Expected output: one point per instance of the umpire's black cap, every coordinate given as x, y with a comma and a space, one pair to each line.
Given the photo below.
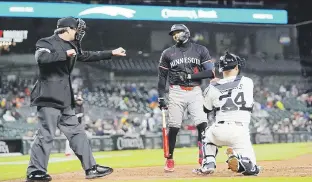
67, 22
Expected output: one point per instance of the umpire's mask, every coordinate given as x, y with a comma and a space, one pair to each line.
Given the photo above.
81, 27
78, 24
180, 33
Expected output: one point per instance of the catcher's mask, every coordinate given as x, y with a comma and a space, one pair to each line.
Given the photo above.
229, 61
74, 23
183, 32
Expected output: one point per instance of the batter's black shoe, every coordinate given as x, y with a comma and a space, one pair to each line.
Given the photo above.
98, 171
38, 176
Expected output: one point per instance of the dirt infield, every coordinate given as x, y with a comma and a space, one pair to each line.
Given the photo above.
300, 166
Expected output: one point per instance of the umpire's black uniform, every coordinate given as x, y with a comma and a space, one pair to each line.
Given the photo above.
54, 98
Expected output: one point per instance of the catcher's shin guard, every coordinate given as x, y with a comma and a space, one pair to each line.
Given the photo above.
208, 165
240, 164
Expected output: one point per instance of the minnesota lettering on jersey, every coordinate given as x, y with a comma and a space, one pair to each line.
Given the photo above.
184, 60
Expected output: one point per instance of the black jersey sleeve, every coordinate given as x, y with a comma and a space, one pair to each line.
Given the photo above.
164, 62
163, 69
204, 55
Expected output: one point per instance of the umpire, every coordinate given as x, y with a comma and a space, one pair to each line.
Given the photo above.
53, 95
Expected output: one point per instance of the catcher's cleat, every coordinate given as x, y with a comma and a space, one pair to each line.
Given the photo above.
205, 169
38, 176
169, 166
239, 164
253, 172
233, 161
98, 171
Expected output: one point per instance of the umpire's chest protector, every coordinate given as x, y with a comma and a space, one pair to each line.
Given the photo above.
53, 87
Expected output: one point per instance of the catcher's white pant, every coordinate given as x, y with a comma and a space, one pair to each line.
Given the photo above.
232, 134
68, 150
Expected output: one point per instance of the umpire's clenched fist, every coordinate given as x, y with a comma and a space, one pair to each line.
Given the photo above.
119, 52
71, 53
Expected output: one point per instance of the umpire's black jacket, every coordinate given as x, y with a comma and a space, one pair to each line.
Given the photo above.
53, 87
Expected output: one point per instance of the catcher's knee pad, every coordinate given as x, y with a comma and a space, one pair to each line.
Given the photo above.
247, 168
210, 152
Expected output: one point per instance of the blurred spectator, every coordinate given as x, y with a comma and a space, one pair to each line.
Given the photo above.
309, 101
1, 124
279, 105
99, 131
294, 91
109, 129
8, 116
32, 118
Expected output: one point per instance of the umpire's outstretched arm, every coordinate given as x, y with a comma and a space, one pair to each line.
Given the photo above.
91, 56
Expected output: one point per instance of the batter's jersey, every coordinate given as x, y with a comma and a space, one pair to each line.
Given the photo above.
188, 57
231, 98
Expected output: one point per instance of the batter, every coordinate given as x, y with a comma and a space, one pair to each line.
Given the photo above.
187, 64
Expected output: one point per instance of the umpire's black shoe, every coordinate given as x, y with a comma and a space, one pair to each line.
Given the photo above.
98, 171
38, 176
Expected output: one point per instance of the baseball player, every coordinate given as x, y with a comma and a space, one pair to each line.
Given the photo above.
231, 98
187, 64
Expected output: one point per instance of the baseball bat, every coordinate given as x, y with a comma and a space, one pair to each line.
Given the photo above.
164, 134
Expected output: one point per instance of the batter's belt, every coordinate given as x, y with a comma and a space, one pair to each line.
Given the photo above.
184, 87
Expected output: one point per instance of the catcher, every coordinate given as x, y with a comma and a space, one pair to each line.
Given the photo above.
231, 98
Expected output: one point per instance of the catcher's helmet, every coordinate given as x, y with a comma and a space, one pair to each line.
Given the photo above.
229, 61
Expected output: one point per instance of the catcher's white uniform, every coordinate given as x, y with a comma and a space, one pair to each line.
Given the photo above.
231, 99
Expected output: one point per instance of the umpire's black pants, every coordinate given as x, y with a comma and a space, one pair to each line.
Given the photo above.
67, 122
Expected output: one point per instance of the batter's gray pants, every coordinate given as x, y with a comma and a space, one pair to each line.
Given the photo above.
67, 122
180, 100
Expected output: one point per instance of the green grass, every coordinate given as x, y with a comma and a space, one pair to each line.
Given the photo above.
141, 158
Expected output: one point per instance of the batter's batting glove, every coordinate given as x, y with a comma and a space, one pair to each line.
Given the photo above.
162, 104
184, 76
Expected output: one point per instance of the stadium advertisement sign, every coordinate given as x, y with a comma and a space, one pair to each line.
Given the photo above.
151, 13
129, 142
123, 142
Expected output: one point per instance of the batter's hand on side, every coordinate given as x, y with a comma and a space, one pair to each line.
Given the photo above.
71, 52
162, 104
214, 80
119, 52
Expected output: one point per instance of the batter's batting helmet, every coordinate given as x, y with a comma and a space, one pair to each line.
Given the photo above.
180, 27
229, 61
